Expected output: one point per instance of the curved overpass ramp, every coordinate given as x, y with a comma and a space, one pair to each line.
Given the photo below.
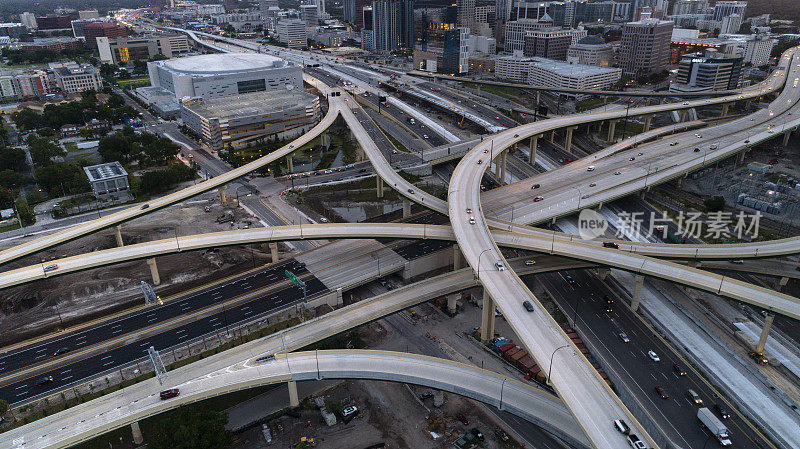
80, 423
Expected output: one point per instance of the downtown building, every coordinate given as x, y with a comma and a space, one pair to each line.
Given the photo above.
122, 50
444, 48
645, 47
292, 32
393, 26
707, 72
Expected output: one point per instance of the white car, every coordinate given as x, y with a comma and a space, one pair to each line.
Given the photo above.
653, 356
590, 168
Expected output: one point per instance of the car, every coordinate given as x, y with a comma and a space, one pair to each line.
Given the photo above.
622, 427
592, 184
144, 207
171, 393
62, 350
463, 419
697, 150
569, 279
530, 262
51, 267
759, 357
686, 103
738, 261
350, 410
697, 135
610, 245
480, 161
636, 443
500, 266
584, 197
590, 168
713, 147
477, 434
641, 154
425, 395
471, 220
485, 151
624, 337
771, 131
617, 173
723, 412
469, 210
747, 141
43, 380
535, 186
661, 392
694, 397
394, 151
516, 135
411, 191
673, 144
424, 136
537, 199
653, 356
323, 220
631, 158
528, 306
500, 434
608, 308
679, 369
561, 161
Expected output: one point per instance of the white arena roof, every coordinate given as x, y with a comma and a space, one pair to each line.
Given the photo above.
223, 63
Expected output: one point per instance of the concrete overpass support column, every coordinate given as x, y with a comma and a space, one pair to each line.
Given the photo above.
154, 270
786, 136
568, 139
637, 292
380, 186
273, 251
118, 229
502, 169
602, 273
406, 208
682, 116
680, 182
456, 258
451, 303
725, 108
648, 119
534, 145
538, 97
553, 136
294, 400
765, 332
487, 317
222, 197
781, 283
290, 163
600, 205
740, 157
137, 433
612, 126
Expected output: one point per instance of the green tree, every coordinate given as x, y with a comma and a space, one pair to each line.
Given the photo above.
62, 178
191, 427
43, 150
25, 213
3, 407
12, 158
27, 119
10, 179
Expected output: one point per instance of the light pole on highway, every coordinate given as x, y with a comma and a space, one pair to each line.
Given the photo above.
377, 258
478, 276
550, 366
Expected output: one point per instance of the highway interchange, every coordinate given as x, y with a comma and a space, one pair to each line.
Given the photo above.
475, 240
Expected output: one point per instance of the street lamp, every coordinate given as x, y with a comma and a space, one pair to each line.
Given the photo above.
550, 366
479, 262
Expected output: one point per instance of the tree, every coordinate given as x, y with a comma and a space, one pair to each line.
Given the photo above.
12, 158
191, 427
25, 214
10, 179
27, 119
3, 407
62, 179
43, 150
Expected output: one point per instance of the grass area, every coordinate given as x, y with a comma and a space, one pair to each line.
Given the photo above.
133, 82
504, 91
395, 142
9, 227
589, 103
70, 146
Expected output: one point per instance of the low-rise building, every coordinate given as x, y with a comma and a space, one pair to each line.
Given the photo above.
708, 71
591, 50
239, 120
292, 32
122, 50
75, 78
107, 179
557, 74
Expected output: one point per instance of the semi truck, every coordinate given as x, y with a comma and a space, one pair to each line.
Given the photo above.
713, 424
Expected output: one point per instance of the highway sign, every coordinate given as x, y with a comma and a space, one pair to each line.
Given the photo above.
295, 280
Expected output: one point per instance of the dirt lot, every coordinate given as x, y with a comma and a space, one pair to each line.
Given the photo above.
33, 308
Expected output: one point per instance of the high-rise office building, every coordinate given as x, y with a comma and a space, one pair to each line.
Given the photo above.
367, 30
292, 32
444, 49
645, 47
353, 11
393, 25
725, 8
730, 24
551, 43
102, 29
466, 13
309, 14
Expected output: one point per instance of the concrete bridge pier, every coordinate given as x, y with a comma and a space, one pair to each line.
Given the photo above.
118, 233
294, 399
568, 139
725, 108
612, 126
533, 146
762, 340
600, 206
740, 157
137, 433
457, 261
602, 273
781, 283
406, 208
222, 197
538, 97
273, 250
380, 186
487, 317
290, 163
648, 119
786, 136
154, 271
637, 292
502, 168
451, 302
553, 136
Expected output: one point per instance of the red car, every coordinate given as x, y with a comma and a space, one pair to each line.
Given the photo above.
166, 394
661, 392
679, 369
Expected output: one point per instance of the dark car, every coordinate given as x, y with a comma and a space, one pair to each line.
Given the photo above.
528, 306
463, 419
44, 380
145, 207
723, 412
610, 245
537, 199
171, 393
661, 392
569, 279
697, 150
632, 159
426, 395
608, 308
536, 186
60, 351
679, 369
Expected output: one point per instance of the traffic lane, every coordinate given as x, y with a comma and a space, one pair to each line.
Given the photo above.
677, 413
382, 142
493, 116
45, 351
219, 322
417, 128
